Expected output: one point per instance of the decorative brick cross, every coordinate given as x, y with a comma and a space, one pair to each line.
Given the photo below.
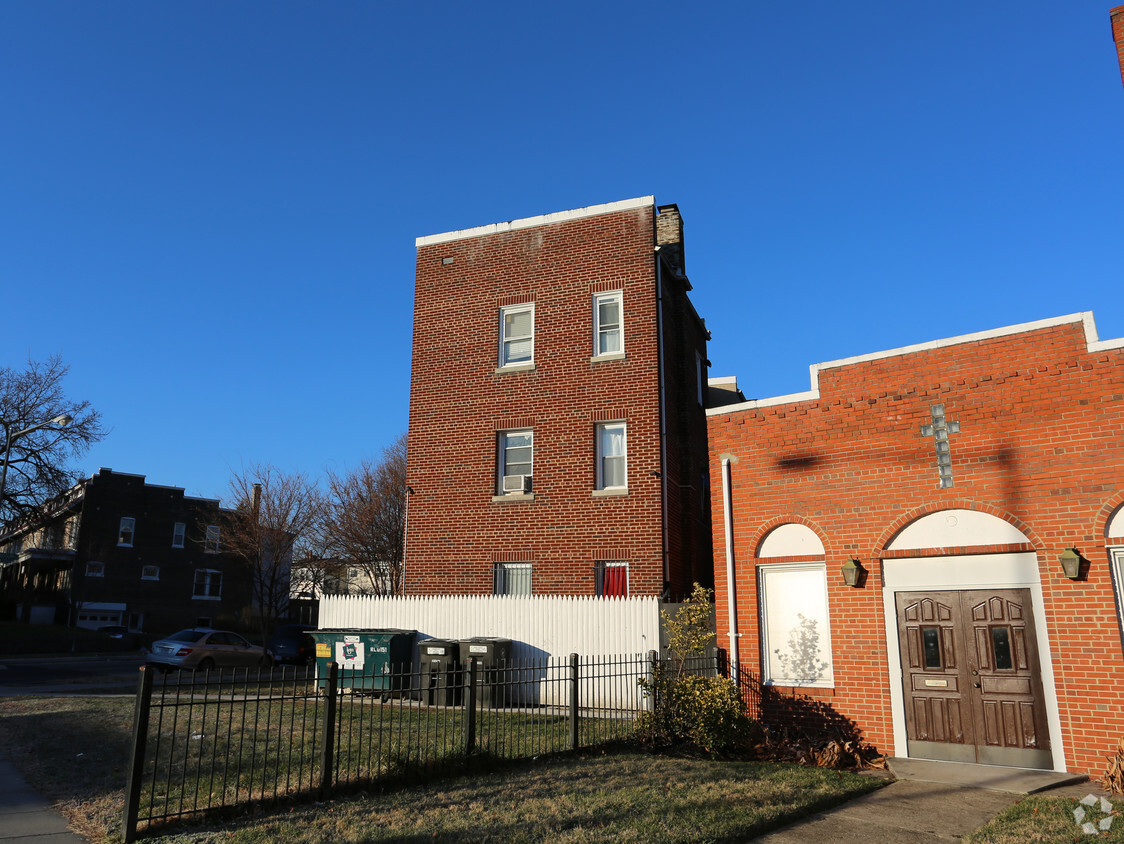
939, 431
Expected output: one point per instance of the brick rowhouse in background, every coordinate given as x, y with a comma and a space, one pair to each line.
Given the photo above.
955, 475
557, 437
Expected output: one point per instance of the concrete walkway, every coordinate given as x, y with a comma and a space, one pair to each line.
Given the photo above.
26, 816
930, 802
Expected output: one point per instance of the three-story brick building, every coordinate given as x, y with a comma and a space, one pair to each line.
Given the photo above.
557, 439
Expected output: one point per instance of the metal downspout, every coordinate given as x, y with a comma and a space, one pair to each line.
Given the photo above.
731, 595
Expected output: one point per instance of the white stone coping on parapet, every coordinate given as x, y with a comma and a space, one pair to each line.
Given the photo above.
1093, 344
541, 220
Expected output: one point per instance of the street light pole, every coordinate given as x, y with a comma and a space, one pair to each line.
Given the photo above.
63, 419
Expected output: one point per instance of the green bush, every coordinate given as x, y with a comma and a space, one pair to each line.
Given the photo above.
707, 712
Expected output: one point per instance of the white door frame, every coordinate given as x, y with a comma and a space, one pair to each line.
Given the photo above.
956, 573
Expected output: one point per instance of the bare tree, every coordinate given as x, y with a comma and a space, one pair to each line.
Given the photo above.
273, 512
40, 428
365, 519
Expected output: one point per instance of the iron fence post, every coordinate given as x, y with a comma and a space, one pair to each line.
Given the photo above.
136, 763
470, 709
328, 748
574, 701
653, 675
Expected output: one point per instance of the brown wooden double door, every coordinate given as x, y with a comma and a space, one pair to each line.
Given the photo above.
971, 678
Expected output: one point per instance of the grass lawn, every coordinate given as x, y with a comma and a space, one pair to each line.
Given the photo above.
75, 751
1050, 819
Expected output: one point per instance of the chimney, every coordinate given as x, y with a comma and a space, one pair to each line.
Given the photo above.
1117, 17
669, 237
255, 504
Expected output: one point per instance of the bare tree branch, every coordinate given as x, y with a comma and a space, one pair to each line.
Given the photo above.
37, 459
365, 519
272, 512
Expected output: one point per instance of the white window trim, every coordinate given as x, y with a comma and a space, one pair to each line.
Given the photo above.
99, 570
179, 532
505, 364
764, 573
212, 539
501, 463
194, 580
497, 568
598, 298
132, 531
1116, 558
155, 576
601, 486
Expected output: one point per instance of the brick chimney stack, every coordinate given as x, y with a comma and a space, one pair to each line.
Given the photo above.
1117, 16
669, 237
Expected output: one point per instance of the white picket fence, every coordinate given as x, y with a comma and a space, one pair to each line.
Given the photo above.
542, 628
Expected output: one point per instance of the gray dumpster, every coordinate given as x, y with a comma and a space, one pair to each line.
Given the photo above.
493, 660
440, 671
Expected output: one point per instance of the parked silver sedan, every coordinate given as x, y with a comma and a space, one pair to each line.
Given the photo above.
203, 649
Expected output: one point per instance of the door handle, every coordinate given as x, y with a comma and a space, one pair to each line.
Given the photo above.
977, 685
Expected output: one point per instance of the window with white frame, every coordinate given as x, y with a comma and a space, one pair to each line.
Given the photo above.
795, 634
517, 335
179, 531
1117, 555
126, 532
211, 541
608, 333
515, 461
512, 579
208, 585
612, 455
94, 569
612, 579
150, 572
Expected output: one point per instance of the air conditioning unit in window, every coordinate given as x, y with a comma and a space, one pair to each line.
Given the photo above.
516, 483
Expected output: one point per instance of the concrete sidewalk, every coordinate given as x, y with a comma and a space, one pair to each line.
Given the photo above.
26, 816
930, 802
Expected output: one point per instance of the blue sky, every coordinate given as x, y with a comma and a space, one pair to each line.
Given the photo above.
209, 208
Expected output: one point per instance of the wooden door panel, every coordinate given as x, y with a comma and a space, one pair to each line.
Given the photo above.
971, 676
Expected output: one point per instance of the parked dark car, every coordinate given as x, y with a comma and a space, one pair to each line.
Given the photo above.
291, 643
203, 648
114, 631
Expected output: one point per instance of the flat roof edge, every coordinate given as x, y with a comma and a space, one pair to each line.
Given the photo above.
1092, 345
540, 220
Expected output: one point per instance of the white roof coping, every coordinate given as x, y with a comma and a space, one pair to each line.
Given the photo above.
541, 220
1092, 343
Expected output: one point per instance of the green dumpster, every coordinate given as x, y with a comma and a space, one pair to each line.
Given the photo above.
368, 659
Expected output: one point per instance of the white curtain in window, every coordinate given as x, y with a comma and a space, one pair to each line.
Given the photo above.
797, 635
613, 456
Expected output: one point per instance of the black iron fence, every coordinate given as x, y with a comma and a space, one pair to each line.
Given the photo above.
223, 740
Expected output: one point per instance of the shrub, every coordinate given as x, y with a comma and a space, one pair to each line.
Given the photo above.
707, 712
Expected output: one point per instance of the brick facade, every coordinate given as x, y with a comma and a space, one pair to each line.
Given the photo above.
460, 522
141, 581
1117, 18
1040, 447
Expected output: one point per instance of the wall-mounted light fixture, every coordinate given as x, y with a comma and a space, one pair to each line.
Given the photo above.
853, 572
1071, 563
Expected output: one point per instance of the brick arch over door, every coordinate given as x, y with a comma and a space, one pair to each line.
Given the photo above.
762, 534
1110, 520
889, 536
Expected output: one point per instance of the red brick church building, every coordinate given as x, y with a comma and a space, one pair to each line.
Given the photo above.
929, 544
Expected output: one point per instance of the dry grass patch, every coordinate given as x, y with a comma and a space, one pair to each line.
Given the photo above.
1049, 820
75, 750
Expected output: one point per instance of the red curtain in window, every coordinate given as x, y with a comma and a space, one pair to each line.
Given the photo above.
615, 582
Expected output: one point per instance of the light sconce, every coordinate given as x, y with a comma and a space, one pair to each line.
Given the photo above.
853, 572
1071, 563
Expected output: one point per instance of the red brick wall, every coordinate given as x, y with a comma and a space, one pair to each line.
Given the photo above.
458, 402
1041, 445
1117, 16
